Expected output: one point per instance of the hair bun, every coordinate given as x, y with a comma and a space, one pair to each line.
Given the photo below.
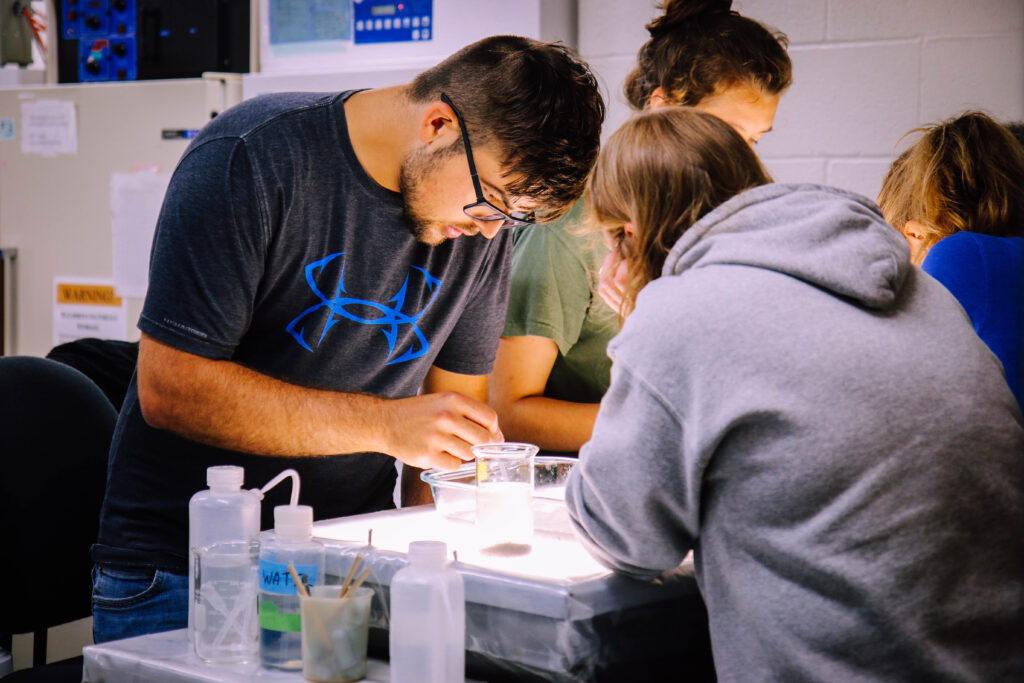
678, 12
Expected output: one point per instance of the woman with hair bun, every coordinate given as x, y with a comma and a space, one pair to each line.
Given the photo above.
552, 366
703, 54
957, 195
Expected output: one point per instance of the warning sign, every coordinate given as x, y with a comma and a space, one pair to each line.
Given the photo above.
90, 295
86, 308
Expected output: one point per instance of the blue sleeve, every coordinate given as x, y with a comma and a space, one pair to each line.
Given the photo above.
208, 253
957, 262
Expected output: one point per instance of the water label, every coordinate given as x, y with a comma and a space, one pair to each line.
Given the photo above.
275, 577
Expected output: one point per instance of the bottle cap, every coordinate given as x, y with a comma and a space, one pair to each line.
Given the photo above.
428, 553
225, 477
293, 522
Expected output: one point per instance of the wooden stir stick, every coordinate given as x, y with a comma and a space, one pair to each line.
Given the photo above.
351, 572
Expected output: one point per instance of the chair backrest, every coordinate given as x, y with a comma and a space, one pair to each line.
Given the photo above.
55, 431
110, 363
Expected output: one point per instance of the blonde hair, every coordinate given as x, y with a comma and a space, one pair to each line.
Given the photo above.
662, 171
966, 173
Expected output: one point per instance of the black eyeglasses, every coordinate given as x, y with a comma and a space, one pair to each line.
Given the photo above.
481, 209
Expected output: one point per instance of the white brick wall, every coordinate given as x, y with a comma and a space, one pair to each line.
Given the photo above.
865, 72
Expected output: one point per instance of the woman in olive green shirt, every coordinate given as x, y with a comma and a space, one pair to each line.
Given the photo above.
552, 368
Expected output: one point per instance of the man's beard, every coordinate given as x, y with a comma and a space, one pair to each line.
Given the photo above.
416, 166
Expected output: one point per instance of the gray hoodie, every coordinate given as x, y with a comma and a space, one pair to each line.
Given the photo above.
816, 419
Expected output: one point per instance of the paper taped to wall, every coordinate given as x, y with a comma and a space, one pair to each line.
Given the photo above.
135, 200
48, 127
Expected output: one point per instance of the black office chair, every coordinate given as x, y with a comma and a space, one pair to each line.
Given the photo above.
55, 430
109, 363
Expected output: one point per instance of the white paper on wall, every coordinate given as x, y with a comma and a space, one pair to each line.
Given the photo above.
48, 127
135, 200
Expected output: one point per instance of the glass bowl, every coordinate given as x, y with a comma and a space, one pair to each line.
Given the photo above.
454, 491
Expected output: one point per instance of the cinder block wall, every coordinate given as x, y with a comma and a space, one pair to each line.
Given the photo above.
865, 72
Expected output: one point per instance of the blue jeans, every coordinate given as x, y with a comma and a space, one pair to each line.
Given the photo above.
130, 602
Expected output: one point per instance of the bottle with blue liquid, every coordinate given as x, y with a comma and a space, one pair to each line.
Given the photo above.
280, 619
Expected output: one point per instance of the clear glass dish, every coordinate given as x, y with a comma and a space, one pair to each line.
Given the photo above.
454, 491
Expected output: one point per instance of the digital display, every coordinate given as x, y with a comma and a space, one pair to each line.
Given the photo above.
387, 21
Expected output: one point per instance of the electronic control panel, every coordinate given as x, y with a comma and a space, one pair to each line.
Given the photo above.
127, 40
105, 33
376, 21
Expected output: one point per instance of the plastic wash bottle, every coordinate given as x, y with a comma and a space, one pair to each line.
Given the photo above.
224, 513
291, 543
428, 618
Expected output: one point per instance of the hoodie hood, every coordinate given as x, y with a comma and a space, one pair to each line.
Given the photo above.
830, 238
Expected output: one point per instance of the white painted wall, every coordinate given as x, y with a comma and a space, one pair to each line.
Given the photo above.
864, 73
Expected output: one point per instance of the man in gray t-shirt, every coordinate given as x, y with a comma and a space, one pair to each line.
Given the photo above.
328, 282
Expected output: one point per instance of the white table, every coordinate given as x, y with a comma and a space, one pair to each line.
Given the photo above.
167, 658
552, 613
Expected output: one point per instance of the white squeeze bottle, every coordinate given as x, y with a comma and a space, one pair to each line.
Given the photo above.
220, 514
280, 617
428, 618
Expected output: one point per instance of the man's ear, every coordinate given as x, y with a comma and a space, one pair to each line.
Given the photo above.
438, 123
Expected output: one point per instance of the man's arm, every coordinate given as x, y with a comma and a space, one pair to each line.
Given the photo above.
224, 404
516, 391
414, 490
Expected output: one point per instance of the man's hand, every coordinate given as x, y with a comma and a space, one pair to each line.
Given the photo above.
437, 429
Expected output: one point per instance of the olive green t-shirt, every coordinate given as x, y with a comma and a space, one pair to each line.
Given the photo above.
554, 295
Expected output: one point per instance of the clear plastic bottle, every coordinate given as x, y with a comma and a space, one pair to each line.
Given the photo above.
428, 618
291, 543
223, 514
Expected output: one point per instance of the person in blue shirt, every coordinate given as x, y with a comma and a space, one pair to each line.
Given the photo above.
957, 195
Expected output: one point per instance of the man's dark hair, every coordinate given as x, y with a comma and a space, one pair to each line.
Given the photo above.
536, 102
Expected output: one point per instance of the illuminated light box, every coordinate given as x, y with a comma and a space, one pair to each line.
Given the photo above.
547, 613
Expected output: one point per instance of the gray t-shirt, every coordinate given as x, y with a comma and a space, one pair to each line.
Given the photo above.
274, 249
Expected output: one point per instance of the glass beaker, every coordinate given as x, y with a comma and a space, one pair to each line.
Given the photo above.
226, 628
504, 490
335, 634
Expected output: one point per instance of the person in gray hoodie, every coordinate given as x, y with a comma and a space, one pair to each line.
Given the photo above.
806, 411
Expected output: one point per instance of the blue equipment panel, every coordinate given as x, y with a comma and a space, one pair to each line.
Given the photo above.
107, 44
380, 21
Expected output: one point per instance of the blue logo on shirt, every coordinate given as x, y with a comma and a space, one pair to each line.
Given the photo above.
389, 317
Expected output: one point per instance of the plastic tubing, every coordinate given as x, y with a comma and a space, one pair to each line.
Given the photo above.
277, 480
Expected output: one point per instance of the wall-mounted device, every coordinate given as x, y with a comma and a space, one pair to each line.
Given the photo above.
104, 31
126, 40
313, 44
377, 21
15, 33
